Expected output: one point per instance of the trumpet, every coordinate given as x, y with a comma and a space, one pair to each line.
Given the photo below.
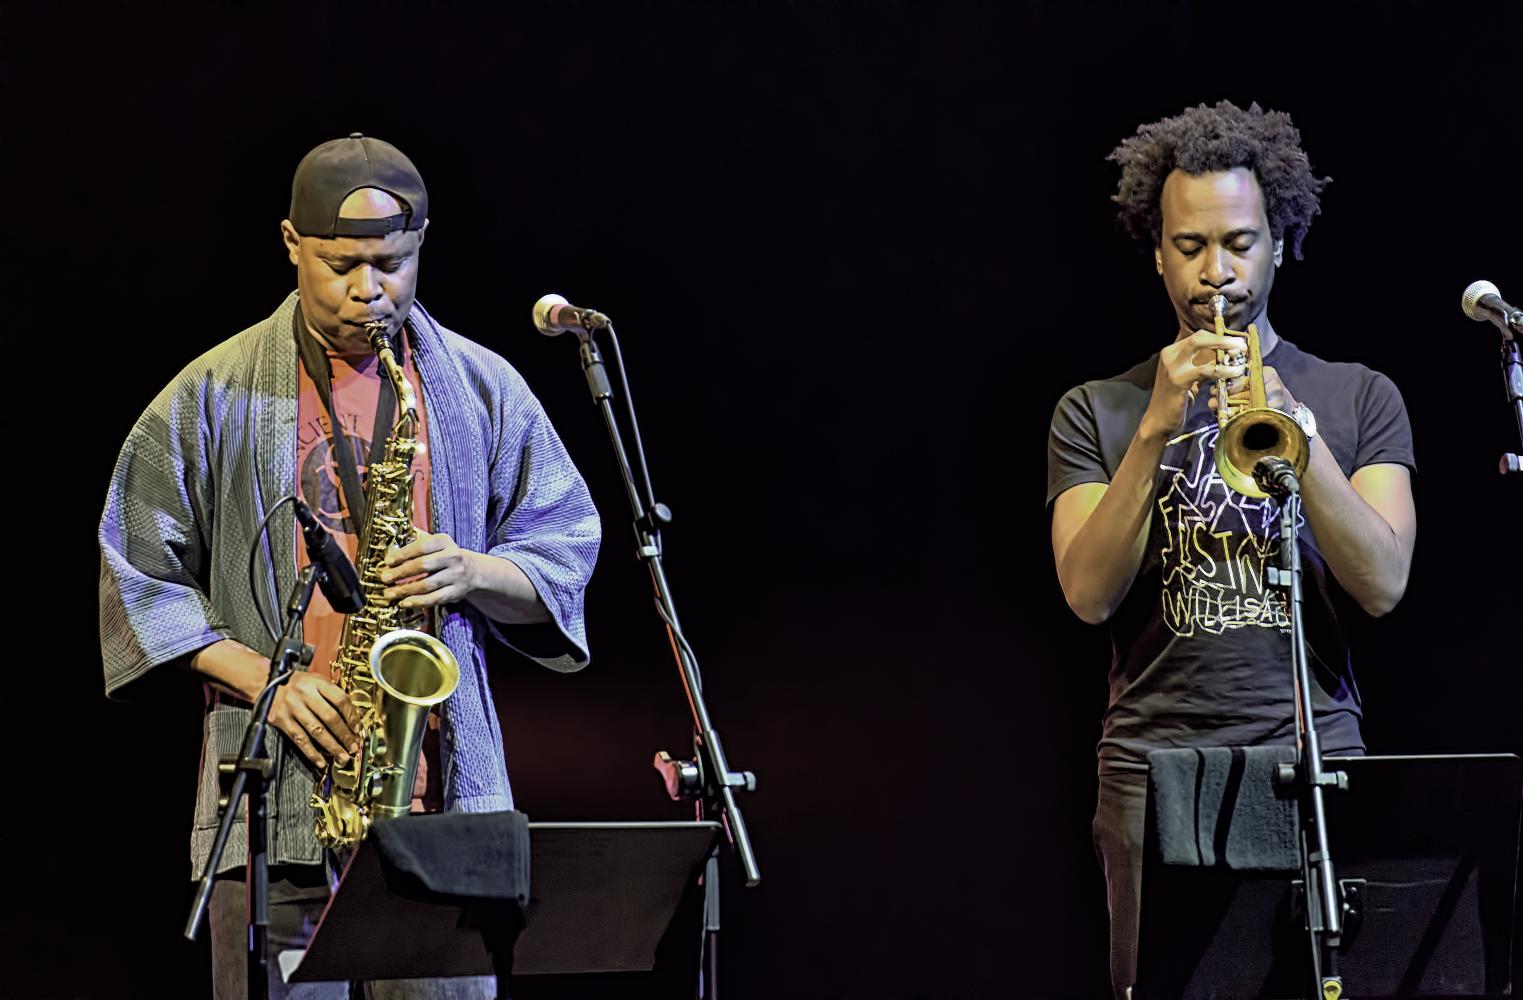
1251, 430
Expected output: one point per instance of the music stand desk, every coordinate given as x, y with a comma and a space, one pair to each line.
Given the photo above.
601, 897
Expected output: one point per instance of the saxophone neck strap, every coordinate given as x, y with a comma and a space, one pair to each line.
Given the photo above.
315, 360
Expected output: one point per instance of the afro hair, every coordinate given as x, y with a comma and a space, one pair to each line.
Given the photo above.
1205, 139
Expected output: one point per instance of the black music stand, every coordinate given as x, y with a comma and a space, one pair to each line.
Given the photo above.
599, 897
1428, 854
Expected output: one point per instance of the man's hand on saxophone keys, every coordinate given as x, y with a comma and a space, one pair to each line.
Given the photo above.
433, 571
317, 718
430, 571
314, 715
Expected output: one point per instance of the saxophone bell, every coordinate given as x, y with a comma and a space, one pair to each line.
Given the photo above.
414, 672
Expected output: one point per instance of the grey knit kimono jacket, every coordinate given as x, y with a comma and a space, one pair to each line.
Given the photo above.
217, 448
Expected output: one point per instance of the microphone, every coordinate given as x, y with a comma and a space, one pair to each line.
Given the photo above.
1276, 476
1482, 302
341, 586
553, 315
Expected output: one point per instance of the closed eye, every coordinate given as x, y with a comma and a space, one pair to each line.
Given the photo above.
388, 264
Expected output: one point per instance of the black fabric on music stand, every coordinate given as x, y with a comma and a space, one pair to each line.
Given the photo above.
1219, 806
1431, 846
457, 855
424, 896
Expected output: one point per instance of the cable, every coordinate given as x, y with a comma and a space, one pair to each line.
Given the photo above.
634, 426
264, 526
278, 678
692, 657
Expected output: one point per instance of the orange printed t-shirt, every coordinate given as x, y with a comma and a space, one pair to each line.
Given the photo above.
356, 390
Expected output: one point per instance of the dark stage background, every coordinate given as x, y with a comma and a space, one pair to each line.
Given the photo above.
856, 252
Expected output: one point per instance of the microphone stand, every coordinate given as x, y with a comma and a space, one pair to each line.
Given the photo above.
1325, 905
706, 779
251, 772
1512, 381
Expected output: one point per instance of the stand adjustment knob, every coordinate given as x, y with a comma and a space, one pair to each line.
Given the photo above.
1336, 780
683, 778
656, 518
226, 768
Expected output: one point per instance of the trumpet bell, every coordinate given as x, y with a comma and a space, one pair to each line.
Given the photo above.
1255, 433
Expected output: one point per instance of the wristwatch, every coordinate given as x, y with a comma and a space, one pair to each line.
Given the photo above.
1302, 415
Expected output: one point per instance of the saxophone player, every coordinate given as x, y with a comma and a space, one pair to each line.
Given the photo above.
297, 404
1146, 536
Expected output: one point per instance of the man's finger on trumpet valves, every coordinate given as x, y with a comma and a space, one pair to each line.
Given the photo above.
1276, 395
1182, 367
1206, 348
1206, 344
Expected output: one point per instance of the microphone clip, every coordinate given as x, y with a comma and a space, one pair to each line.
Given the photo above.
655, 519
1276, 476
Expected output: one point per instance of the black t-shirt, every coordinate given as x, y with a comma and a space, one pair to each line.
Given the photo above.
1201, 646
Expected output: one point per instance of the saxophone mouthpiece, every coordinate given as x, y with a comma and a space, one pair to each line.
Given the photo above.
376, 332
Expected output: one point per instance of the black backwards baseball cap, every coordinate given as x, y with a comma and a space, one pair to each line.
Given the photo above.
337, 169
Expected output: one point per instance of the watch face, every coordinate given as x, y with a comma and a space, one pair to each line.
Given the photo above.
1304, 417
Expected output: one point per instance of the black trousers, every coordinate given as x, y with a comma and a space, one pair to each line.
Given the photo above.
1120, 814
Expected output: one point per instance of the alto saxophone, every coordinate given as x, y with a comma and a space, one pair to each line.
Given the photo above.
391, 670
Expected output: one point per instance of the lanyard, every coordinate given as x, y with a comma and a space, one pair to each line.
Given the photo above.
315, 360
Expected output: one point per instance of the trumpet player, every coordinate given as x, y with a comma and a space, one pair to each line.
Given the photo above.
1146, 535
298, 403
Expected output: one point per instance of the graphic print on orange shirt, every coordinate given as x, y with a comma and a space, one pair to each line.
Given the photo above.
355, 393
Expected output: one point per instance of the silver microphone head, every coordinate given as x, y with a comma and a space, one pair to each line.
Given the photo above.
542, 313
1473, 295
